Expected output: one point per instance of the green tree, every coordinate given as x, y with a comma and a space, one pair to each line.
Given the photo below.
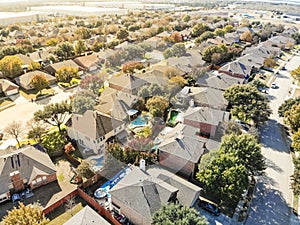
24, 215
199, 29
52, 42
208, 52
122, 34
80, 47
84, 170
228, 28
247, 150
92, 83
219, 32
233, 127
157, 106
203, 37
36, 130
296, 73
15, 130
39, 82
176, 214
82, 103
258, 84
179, 49
248, 104
55, 142
270, 62
54, 114
287, 105
186, 18
83, 33
151, 90
295, 178
34, 66
66, 73
11, 66
296, 141
224, 180
292, 117
64, 50
296, 37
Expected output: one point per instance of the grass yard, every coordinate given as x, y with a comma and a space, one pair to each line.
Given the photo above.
60, 220
26, 142
32, 94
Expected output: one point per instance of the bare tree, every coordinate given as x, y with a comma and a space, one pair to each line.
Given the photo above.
15, 129
70, 203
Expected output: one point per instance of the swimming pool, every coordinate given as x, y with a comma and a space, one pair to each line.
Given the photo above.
140, 121
98, 160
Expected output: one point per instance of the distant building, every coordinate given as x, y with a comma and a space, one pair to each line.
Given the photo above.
7, 18
79, 10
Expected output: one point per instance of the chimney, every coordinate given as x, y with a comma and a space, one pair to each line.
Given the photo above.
17, 181
143, 164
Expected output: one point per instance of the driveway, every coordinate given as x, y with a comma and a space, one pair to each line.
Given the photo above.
273, 197
23, 110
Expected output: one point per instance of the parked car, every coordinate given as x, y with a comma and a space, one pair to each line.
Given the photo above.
16, 198
209, 206
274, 85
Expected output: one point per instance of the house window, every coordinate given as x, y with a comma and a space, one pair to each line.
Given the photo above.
33, 182
44, 178
38, 180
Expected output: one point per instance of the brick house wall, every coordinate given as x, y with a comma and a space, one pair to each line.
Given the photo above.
49, 178
120, 88
203, 127
239, 75
132, 215
176, 164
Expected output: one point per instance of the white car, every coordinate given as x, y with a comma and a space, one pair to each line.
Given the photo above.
274, 85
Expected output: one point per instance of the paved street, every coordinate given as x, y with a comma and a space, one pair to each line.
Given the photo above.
273, 197
23, 110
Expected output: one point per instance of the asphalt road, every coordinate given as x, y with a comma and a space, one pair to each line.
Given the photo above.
23, 110
273, 197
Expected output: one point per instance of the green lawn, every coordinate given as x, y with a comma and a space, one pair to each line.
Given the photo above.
60, 220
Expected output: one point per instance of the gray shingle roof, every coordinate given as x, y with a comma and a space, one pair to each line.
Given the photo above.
32, 162
219, 80
87, 216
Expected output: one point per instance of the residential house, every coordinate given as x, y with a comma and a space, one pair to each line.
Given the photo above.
202, 96
22, 168
92, 129
89, 63
290, 31
41, 56
181, 154
105, 55
209, 121
187, 63
237, 69
86, 216
145, 190
25, 80
281, 42
220, 81
26, 61
8, 87
127, 83
52, 68
17, 34
256, 61
231, 38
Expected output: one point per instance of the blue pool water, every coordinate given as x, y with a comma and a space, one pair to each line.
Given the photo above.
140, 121
113, 181
98, 160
